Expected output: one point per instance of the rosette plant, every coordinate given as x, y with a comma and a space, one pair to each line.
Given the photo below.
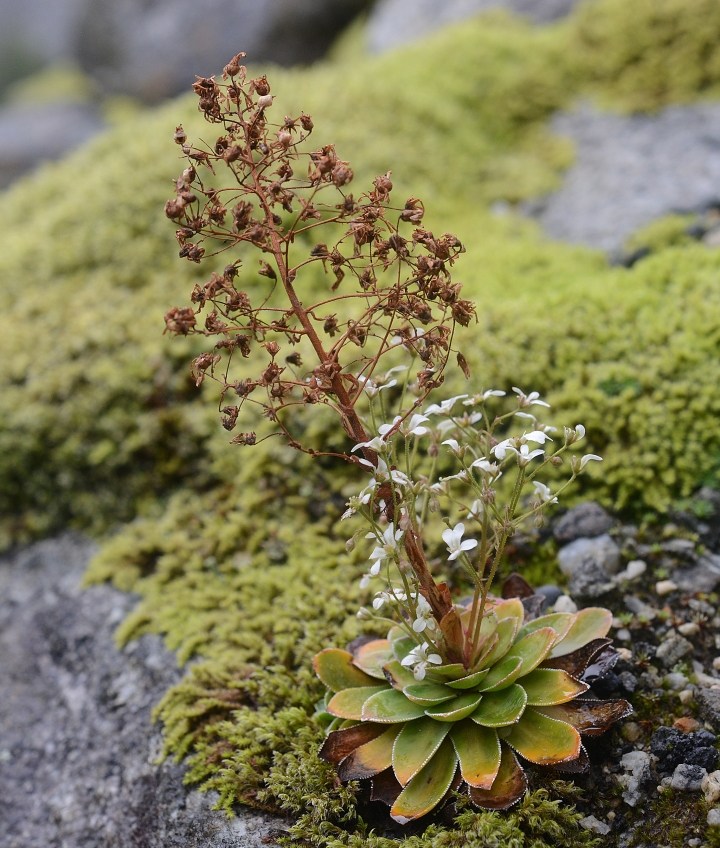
364, 323
419, 739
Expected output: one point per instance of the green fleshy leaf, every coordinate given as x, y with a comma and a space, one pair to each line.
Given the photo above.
369, 759
428, 693
460, 707
507, 789
442, 673
502, 674
501, 708
559, 621
543, 740
590, 623
397, 675
349, 702
533, 648
510, 608
468, 682
372, 656
506, 632
390, 707
546, 687
427, 789
402, 646
336, 670
478, 749
415, 745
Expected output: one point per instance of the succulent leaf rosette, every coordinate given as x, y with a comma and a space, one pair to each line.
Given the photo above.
418, 739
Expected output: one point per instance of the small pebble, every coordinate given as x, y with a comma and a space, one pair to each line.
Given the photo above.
693, 843
686, 696
713, 817
664, 587
686, 724
625, 653
688, 777
711, 787
565, 604
690, 628
631, 731
624, 635
716, 663
676, 681
635, 569
617, 623
591, 823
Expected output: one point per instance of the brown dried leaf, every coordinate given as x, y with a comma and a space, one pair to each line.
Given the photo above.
339, 744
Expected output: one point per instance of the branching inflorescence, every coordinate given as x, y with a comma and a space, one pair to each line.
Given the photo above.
371, 348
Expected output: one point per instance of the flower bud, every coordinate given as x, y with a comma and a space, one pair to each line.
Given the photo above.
265, 100
557, 461
350, 545
364, 614
180, 135
434, 505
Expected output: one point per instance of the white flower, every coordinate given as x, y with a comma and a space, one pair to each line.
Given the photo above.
376, 444
537, 436
543, 492
528, 400
387, 547
457, 449
372, 389
584, 461
528, 415
382, 474
413, 427
365, 581
501, 448
524, 455
461, 475
574, 435
443, 426
484, 396
491, 468
444, 407
453, 540
425, 618
420, 657
477, 510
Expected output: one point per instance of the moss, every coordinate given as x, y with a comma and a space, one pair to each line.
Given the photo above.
668, 231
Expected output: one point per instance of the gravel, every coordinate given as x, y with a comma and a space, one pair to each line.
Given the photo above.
77, 747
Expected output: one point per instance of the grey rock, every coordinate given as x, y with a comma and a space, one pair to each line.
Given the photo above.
637, 767
77, 747
703, 577
631, 170
594, 824
688, 778
587, 520
590, 564
713, 816
676, 681
672, 649
601, 551
41, 132
639, 608
551, 593
708, 701
153, 50
395, 22
673, 747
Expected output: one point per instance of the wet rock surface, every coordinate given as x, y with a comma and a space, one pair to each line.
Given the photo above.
77, 747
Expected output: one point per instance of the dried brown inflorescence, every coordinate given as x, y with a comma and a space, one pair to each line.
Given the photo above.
389, 278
